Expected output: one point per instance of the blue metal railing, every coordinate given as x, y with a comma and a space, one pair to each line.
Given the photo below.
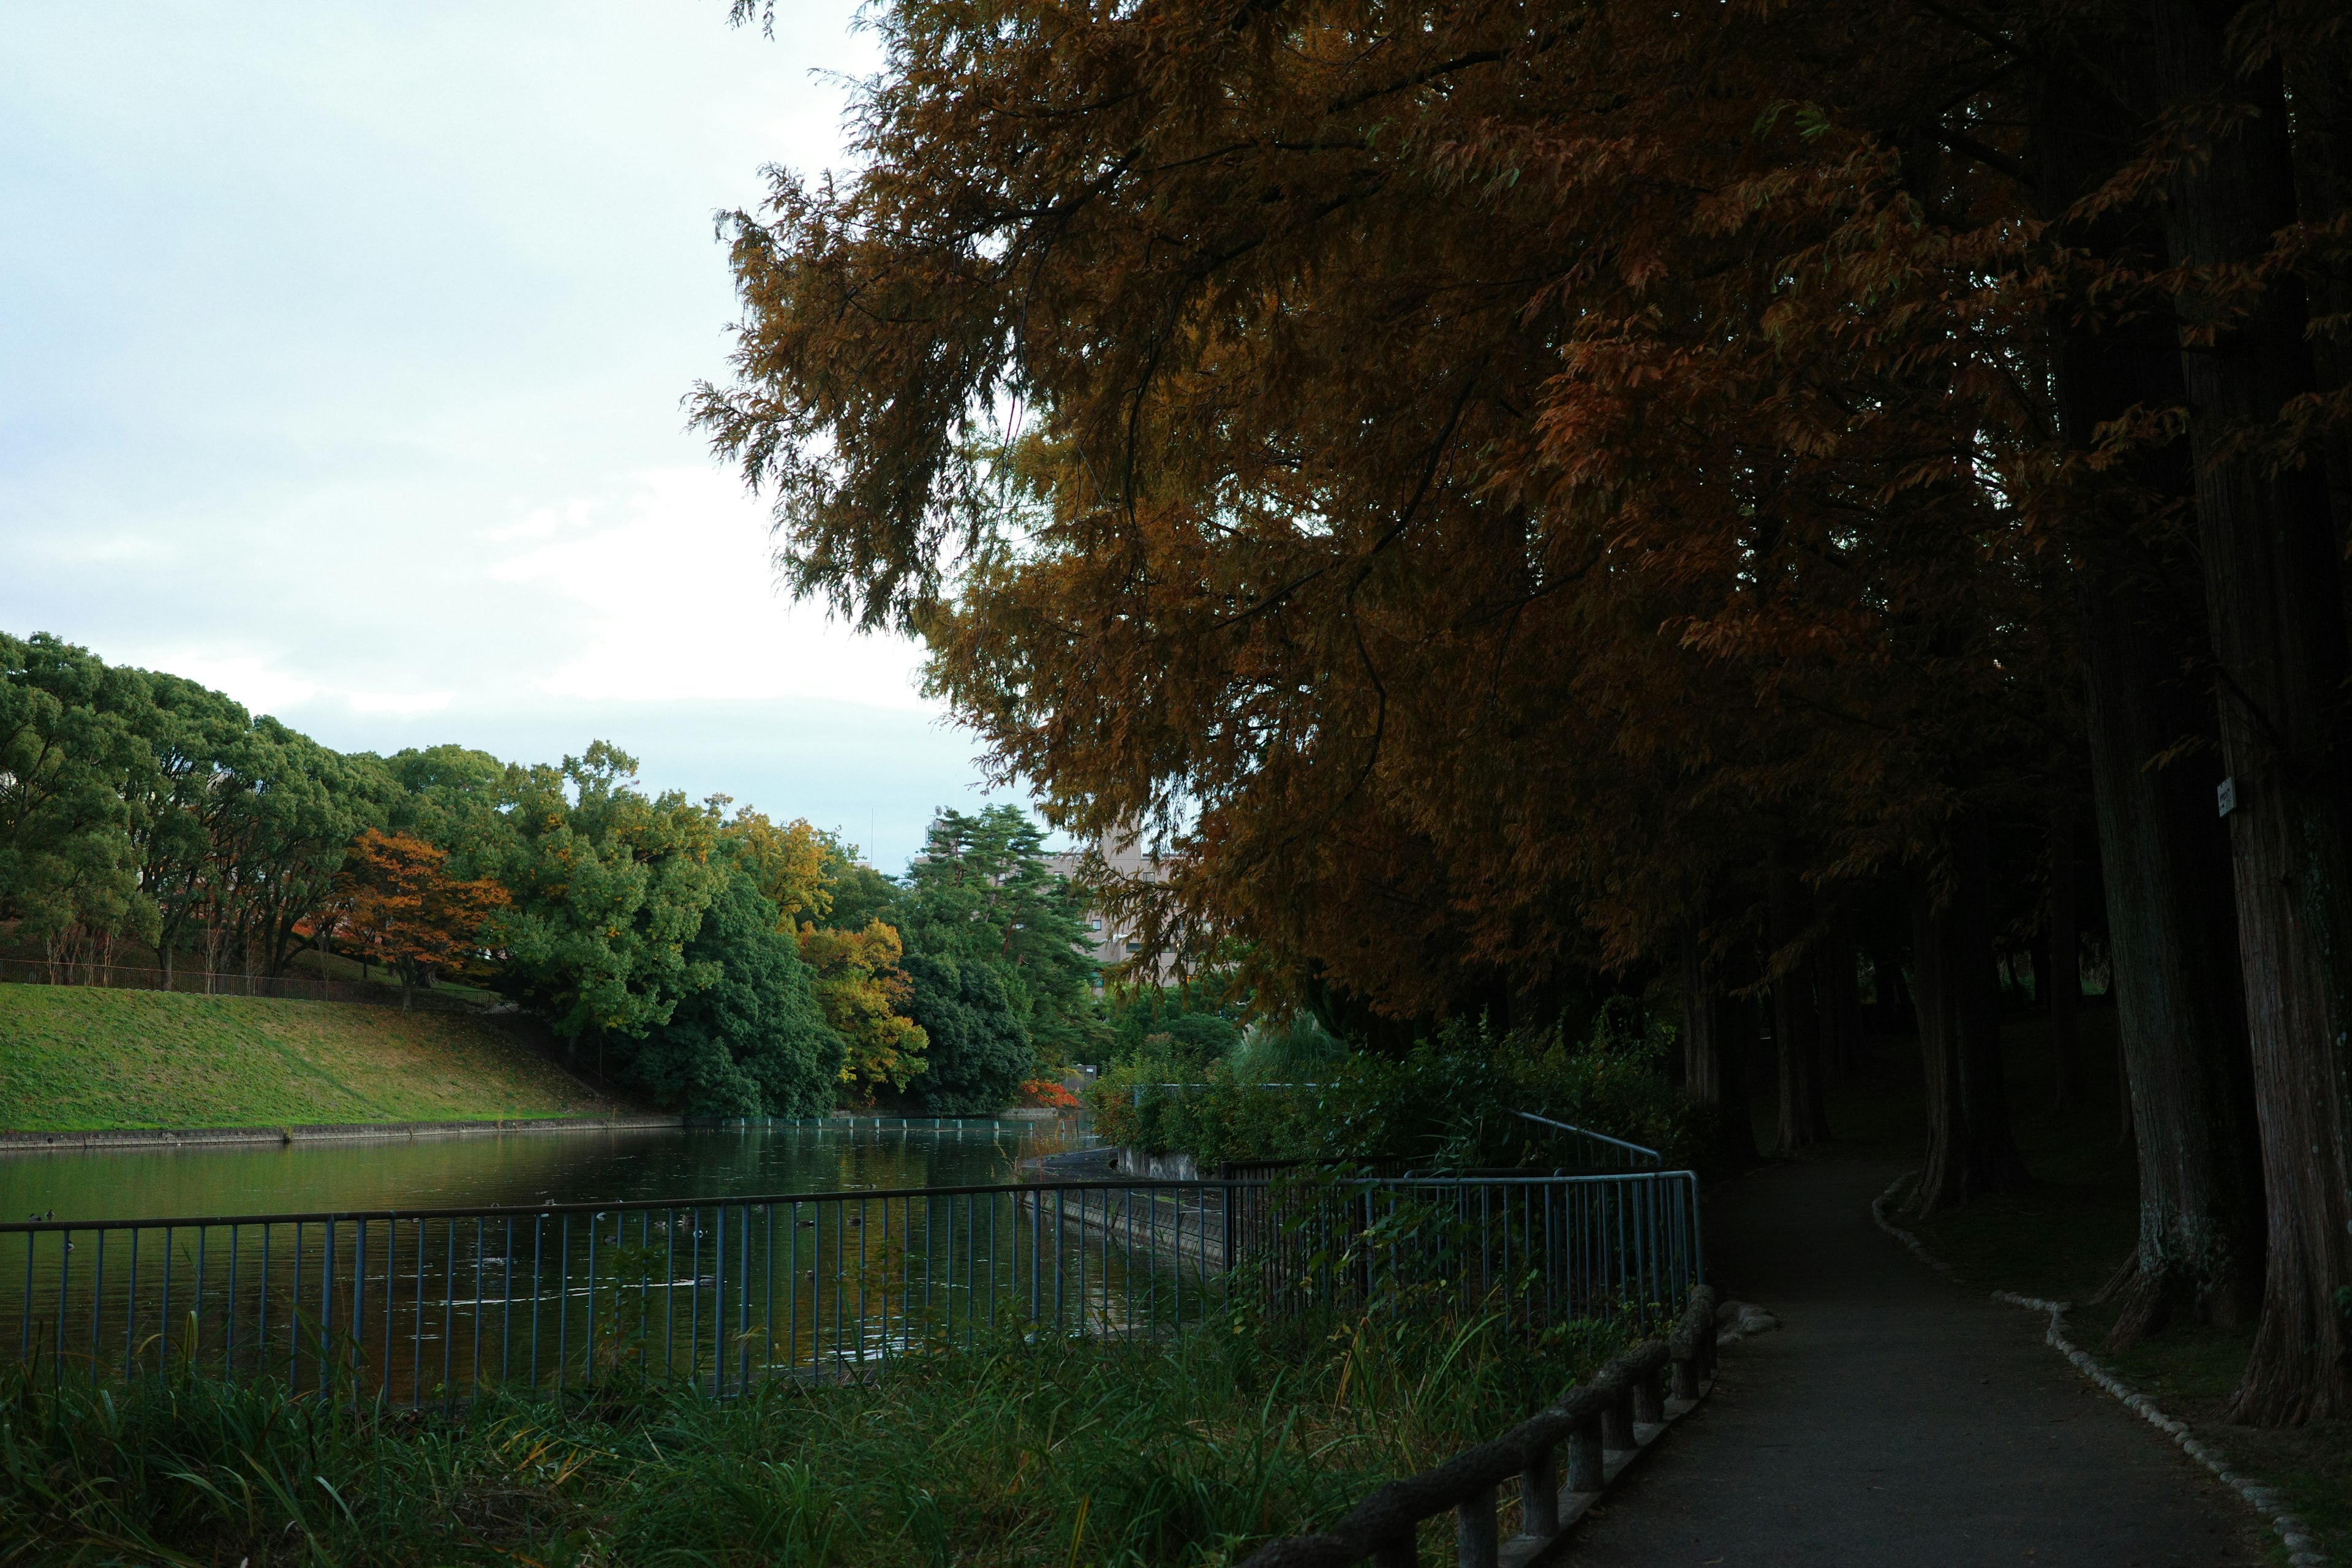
428, 1307
1598, 1151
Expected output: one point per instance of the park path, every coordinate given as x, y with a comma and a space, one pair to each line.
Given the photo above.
1895, 1419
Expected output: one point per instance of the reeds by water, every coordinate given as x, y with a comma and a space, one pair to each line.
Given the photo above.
1055, 1453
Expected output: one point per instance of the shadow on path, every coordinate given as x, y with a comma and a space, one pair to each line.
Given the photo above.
1895, 1419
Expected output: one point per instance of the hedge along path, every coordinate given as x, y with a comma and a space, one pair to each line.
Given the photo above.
1892, 1419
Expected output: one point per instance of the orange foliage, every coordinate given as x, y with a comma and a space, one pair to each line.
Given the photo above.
394, 904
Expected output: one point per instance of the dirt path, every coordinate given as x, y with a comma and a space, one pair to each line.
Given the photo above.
1895, 1419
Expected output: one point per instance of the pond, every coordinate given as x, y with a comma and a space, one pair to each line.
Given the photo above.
599, 1252
524, 1170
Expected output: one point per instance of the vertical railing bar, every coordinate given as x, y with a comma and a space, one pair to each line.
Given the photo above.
474, 1373
588, 1330
96, 1296
718, 1301
538, 1239
563, 1300
65, 1268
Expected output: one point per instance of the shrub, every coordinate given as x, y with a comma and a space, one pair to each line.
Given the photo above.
1450, 1103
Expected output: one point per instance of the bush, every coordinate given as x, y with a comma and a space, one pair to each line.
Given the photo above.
1009, 1454
1450, 1103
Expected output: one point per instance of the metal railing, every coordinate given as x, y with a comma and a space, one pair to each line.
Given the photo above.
1598, 1151
430, 1307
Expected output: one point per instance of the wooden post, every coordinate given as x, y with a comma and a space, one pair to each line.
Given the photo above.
1473, 1530
1617, 1421
1647, 1406
1402, 1550
1584, 1472
1687, 1374
1540, 1497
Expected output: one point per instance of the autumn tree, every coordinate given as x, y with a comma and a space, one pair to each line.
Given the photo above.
394, 902
865, 994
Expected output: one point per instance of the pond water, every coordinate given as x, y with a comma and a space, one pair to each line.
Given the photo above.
656, 1249
521, 1169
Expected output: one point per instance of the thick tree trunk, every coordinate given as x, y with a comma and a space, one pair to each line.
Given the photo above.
2183, 1088
1714, 1055
1995, 1165
1943, 1180
1796, 1028
1841, 1028
2187, 1092
1971, 1150
2061, 977
2274, 598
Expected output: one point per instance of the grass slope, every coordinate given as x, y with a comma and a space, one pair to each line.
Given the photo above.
75, 1057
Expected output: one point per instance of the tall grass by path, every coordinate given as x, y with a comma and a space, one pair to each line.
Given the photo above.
1053, 1453
77, 1057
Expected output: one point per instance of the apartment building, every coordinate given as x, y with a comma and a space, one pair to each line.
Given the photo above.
1112, 942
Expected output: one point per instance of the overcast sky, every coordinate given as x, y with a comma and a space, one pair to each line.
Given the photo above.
340, 368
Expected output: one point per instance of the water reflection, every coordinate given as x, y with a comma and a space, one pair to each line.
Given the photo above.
521, 1169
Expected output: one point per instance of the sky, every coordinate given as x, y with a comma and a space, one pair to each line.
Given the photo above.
340, 364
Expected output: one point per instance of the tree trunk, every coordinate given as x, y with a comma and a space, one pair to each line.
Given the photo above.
1841, 992
1715, 1048
2183, 1085
2061, 977
1943, 1180
1974, 977
1796, 1026
2274, 599
1970, 1152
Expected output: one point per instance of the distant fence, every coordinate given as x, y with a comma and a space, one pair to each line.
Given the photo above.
431, 1306
210, 983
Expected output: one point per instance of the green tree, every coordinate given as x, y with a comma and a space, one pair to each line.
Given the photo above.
752, 1041
980, 1050
609, 887
71, 762
981, 893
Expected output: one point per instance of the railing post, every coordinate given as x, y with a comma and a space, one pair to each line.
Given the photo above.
1617, 1421
1584, 1464
1402, 1550
1473, 1530
1648, 1407
1540, 1497
1686, 1374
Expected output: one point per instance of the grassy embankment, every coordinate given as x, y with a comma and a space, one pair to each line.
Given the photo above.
1051, 1455
2063, 1238
76, 1058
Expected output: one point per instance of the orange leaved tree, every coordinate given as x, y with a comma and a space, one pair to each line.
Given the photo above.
396, 903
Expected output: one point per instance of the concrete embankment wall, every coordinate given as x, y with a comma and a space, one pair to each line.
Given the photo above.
363, 1132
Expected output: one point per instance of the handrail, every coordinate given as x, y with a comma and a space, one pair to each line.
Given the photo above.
755, 1200
1643, 1150
1591, 1419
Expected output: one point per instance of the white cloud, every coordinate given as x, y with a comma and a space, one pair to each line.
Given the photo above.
673, 597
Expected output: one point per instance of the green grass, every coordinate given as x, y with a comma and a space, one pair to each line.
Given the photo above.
76, 1058
2065, 1236
1053, 1454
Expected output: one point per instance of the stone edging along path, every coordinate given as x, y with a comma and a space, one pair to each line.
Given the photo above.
357, 1132
2303, 1551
